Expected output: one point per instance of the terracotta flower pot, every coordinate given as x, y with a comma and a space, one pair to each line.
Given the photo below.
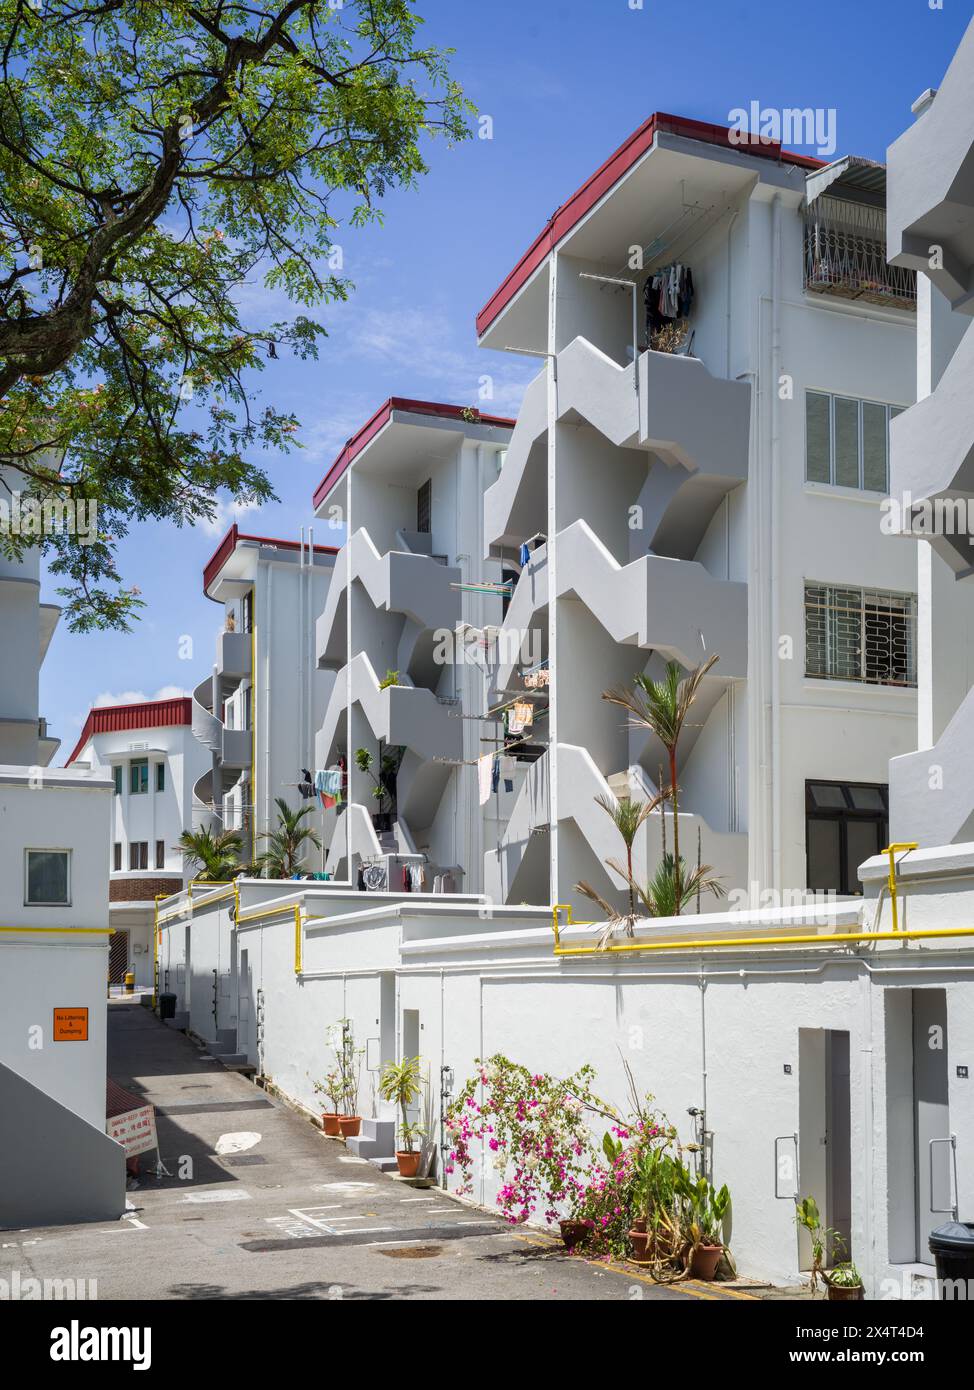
704, 1261
329, 1122
639, 1225
408, 1163
349, 1125
639, 1240
575, 1233
839, 1293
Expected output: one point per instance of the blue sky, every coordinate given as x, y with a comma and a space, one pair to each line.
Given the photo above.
564, 81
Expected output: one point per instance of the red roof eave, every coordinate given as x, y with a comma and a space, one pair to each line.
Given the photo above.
151, 714
229, 543
378, 422
605, 177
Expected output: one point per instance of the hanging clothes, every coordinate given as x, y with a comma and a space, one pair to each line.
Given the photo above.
485, 774
438, 884
419, 878
495, 772
520, 717
668, 295
507, 771
407, 882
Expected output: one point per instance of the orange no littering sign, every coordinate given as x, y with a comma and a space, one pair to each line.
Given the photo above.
70, 1025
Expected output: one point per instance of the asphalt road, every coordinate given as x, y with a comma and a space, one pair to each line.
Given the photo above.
290, 1215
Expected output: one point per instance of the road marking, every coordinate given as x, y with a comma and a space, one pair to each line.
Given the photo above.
237, 1142
341, 1186
417, 1199
235, 1196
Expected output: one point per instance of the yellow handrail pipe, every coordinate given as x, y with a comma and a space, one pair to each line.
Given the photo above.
723, 943
892, 851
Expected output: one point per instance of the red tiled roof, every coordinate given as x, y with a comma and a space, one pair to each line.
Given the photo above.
229, 544
153, 714
381, 418
605, 177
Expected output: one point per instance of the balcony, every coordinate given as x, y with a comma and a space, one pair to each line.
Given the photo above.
233, 656
930, 169
416, 586
232, 748
405, 716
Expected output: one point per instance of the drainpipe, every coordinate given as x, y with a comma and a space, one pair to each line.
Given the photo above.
774, 769
554, 692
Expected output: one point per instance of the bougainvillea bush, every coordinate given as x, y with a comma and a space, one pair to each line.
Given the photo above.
534, 1129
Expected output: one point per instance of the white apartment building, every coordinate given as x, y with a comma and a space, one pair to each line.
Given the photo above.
404, 629
259, 709
54, 934
149, 752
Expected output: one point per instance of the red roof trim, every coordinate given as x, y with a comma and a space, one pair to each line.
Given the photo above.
152, 714
380, 419
228, 545
605, 177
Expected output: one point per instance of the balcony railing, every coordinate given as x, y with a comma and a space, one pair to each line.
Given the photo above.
845, 255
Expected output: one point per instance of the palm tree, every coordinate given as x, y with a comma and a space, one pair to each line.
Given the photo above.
217, 856
627, 816
663, 707
663, 896
284, 856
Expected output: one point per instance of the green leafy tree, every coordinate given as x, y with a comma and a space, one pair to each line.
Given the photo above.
288, 844
155, 158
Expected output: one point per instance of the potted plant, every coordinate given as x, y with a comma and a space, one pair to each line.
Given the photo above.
383, 785
844, 1282
331, 1086
349, 1065
401, 1084
704, 1210
807, 1216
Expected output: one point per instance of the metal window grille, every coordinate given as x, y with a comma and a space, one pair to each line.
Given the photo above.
865, 635
424, 508
845, 255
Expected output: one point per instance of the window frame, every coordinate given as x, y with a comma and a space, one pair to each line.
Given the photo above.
424, 508
892, 410
46, 902
134, 846
136, 765
117, 857
843, 816
160, 854
118, 779
160, 776
909, 615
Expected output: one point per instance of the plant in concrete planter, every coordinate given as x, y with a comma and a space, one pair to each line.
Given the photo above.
401, 1083
383, 784
807, 1216
331, 1086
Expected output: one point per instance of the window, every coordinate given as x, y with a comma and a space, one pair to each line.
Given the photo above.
139, 776
160, 777
847, 441
117, 857
845, 824
246, 698
247, 611
117, 775
160, 854
860, 635
139, 854
48, 878
424, 508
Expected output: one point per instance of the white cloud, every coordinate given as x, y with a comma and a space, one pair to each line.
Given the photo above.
138, 697
227, 512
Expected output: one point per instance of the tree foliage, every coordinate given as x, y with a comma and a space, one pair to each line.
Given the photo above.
155, 157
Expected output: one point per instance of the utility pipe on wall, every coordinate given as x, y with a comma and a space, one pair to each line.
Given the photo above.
775, 769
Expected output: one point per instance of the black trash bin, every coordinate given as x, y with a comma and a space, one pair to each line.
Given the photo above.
952, 1247
167, 1006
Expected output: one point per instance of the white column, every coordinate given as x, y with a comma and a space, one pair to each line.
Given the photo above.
554, 691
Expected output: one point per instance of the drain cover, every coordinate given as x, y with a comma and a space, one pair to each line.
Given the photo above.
413, 1252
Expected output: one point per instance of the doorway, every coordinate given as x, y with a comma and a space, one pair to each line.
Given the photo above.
118, 957
825, 1136
933, 1153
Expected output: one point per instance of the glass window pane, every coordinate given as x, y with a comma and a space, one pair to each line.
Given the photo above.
846, 442
875, 437
160, 777
47, 876
863, 840
827, 796
867, 798
818, 439
823, 855
117, 774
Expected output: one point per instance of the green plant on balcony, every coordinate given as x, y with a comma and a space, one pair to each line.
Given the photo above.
390, 678
287, 844
663, 707
383, 782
